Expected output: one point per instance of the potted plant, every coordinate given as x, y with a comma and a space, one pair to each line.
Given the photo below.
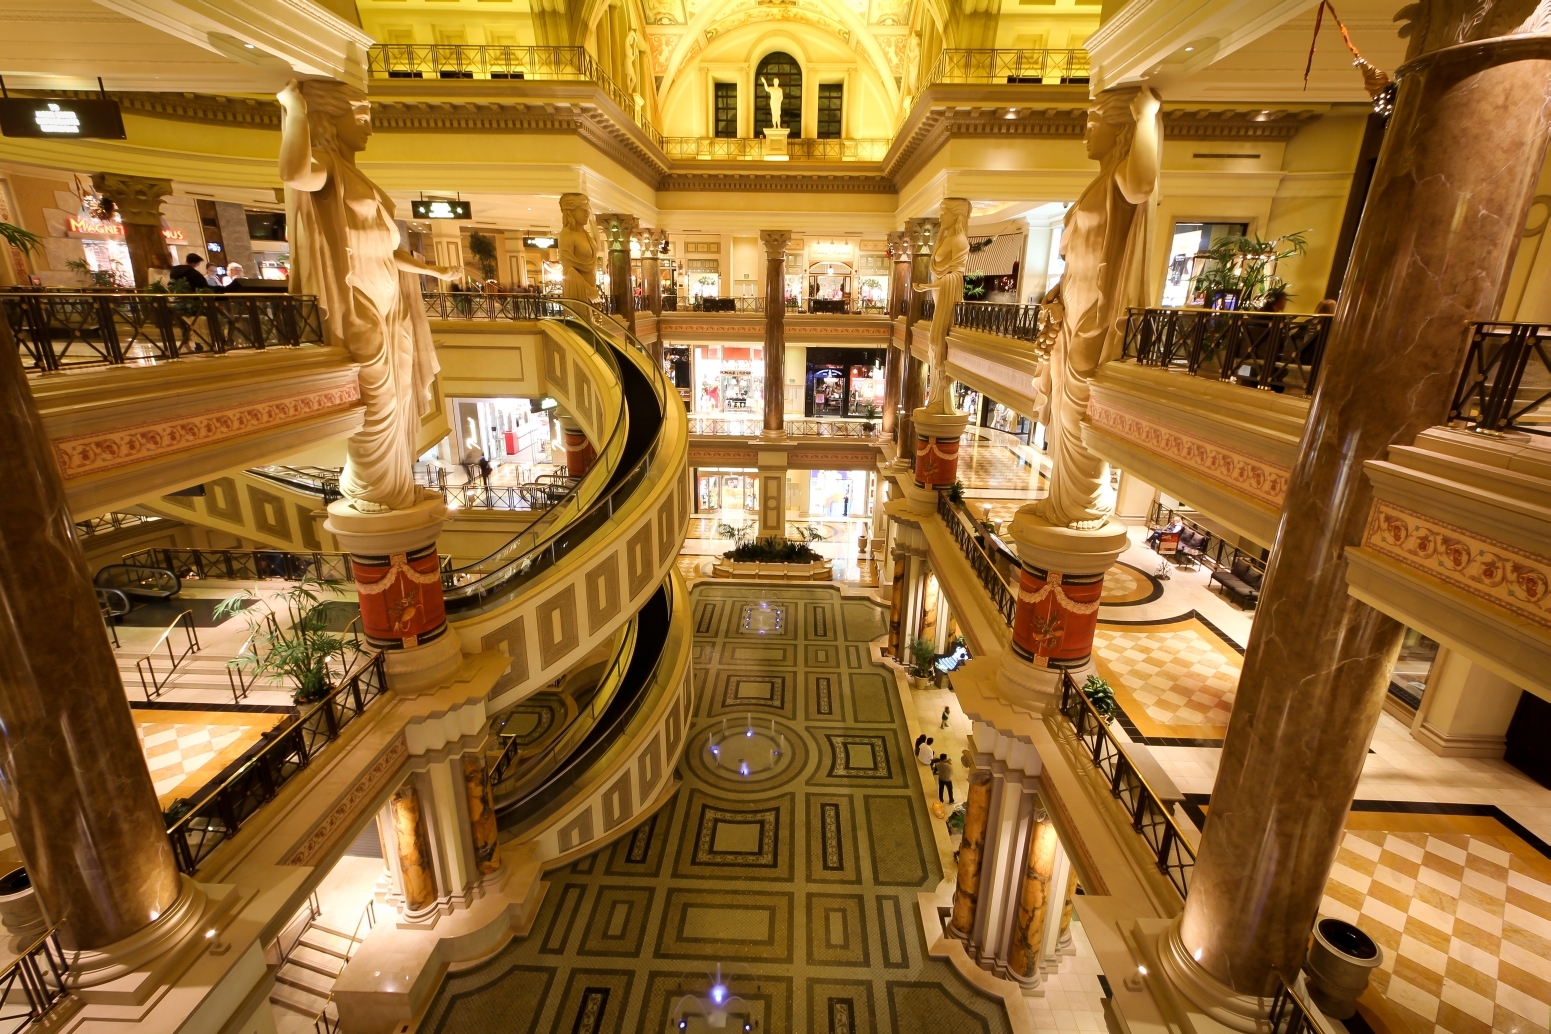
101, 279
870, 414
1102, 697
956, 493
923, 655
1243, 269
298, 651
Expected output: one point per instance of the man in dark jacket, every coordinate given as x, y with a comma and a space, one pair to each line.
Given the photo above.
190, 273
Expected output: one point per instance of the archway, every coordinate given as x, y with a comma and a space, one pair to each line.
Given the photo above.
778, 65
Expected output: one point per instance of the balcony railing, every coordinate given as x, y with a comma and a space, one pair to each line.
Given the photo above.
795, 427
33, 982
1506, 383
1013, 67
247, 565
469, 305
960, 526
218, 816
502, 64
1273, 351
1152, 820
63, 330
752, 149
1001, 319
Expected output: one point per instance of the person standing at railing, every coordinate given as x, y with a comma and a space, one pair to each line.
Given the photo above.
345, 250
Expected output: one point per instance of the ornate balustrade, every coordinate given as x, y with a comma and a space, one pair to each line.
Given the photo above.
1506, 383
752, 149
1001, 319
1274, 351
799, 427
63, 330
1013, 67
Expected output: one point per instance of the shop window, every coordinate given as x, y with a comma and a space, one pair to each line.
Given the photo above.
1408, 680
1187, 259
727, 110
831, 97
778, 66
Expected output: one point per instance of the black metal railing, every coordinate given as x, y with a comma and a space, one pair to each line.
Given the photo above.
1015, 67
150, 681
1217, 553
960, 526
319, 481
246, 564
1290, 1013
218, 816
1506, 383
1274, 351
33, 983
62, 330
498, 305
1152, 820
104, 523
1003, 320
503, 64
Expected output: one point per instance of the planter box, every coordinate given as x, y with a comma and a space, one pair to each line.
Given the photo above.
817, 571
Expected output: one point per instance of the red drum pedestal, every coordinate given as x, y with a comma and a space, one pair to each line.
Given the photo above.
937, 447
1058, 607
399, 582
579, 452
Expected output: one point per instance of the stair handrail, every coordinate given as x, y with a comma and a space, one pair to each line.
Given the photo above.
321, 1023
36, 974
191, 646
313, 910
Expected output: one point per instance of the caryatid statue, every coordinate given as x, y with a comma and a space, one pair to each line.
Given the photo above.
578, 249
949, 259
345, 250
1104, 244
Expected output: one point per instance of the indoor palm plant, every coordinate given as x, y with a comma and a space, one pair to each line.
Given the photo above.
298, 650
923, 655
1244, 268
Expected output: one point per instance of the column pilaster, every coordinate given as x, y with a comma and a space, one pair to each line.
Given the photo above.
775, 242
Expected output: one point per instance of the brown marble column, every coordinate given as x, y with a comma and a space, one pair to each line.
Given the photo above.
1449, 199
912, 394
487, 842
899, 299
618, 228
966, 892
775, 242
73, 778
416, 871
139, 202
1034, 901
651, 282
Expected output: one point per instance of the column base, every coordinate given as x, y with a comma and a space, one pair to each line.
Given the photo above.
129, 971
423, 668
1221, 1003
768, 433
918, 500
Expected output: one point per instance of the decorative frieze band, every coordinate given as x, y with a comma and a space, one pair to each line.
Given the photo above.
1252, 475
1492, 571
83, 454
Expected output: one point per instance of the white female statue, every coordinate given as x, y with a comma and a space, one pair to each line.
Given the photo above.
1104, 243
345, 250
949, 260
776, 93
578, 249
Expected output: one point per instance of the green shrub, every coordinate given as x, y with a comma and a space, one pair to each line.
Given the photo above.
771, 551
1101, 697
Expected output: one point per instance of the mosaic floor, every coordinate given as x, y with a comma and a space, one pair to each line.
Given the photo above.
1173, 679
798, 879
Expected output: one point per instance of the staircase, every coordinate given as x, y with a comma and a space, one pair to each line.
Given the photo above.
304, 983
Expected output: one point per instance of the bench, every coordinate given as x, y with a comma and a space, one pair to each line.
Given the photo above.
1241, 581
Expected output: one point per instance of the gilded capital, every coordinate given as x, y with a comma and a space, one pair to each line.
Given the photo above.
618, 228
899, 245
922, 234
138, 198
775, 242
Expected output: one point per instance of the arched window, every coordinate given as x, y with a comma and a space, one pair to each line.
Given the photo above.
778, 65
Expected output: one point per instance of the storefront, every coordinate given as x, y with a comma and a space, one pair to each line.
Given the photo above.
104, 251
726, 489
729, 379
839, 493
504, 430
829, 287
676, 366
844, 382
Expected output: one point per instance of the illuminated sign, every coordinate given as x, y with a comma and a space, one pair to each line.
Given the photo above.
92, 227
440, 209
56, 117
174, 236
539, 242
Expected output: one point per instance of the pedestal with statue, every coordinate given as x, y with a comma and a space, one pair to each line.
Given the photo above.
345, 248
1068, 540
937, 427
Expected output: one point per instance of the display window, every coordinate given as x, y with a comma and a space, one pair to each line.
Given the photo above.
729, 379
727, 491
112, 257
866, 390
828, 387
837, 493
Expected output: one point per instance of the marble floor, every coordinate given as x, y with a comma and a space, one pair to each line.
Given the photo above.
795, 883
1445, 861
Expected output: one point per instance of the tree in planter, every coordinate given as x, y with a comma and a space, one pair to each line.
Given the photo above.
923, 655
1245, 267
93, 277
299, 651
1102, 697
482, 247
956, 493
869, 415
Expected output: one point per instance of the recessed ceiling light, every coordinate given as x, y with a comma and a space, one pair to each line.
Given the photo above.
249, 46
1189, 49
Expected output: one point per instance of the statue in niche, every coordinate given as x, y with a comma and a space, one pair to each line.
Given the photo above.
776, 93
345, 250
578, 249
1104, 243
949, 259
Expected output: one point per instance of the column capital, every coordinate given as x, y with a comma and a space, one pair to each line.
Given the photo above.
899, 245
651, 237
923, 235
139, 198
617, 227
775, 242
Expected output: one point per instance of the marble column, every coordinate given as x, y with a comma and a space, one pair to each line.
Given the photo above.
482, 824
1064, 931
398, 578
618, 228
651, 241
966, 892
775, 242
894, 372
579, 453
1034, 903
139, 202
73, 778
922, 234
1433, 252
417, 872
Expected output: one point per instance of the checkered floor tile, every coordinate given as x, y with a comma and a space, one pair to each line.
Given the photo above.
183, 756
1179, 676
1465, 927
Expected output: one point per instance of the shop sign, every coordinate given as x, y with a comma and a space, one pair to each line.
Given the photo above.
55, 117
174, 236
441, 209
91, 226
544, 243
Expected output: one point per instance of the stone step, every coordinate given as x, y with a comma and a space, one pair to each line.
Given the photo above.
327, 941
304, 979
324, 963
303, 1003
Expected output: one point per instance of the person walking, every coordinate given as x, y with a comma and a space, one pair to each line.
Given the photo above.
189, 273
484, 471
945, 713
943, 766
924, 753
